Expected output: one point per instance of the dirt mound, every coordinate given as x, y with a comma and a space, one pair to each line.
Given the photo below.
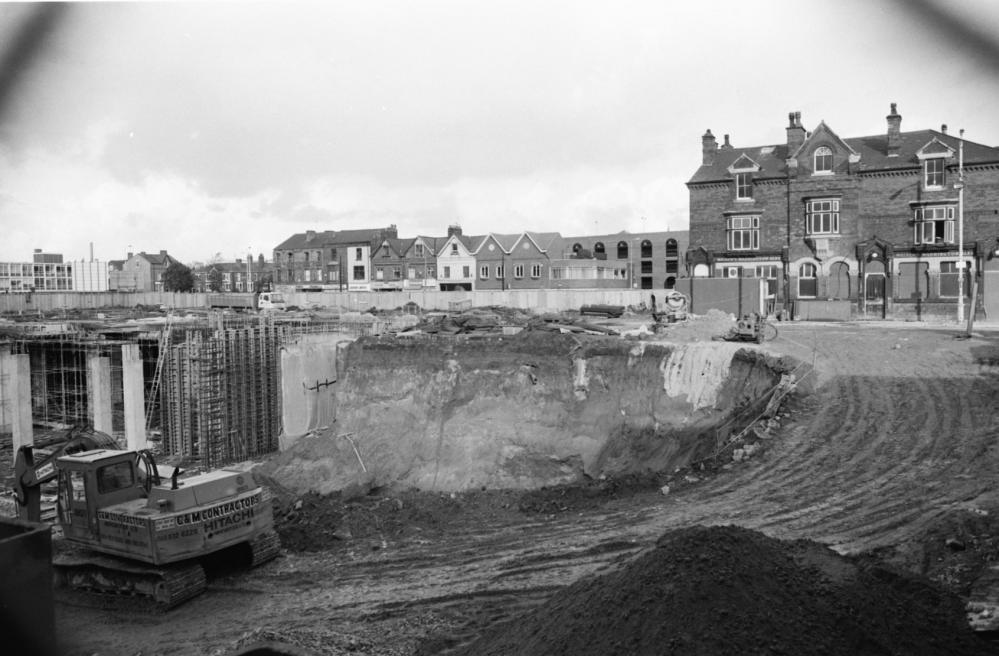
729, 590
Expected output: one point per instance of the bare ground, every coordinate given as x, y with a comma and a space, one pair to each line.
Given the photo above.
894, 453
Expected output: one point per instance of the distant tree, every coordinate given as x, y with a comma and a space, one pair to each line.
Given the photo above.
215, 280
178, 278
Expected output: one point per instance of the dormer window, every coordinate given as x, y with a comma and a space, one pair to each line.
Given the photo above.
823, 159
933, 172
742, 171
743, 186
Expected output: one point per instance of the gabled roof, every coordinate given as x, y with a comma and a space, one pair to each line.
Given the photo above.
822, 132
397, 246
934, 147
435, 244
543, 240
872, 151
505, 242
744, 163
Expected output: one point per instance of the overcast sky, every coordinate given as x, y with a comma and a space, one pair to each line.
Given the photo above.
222, 127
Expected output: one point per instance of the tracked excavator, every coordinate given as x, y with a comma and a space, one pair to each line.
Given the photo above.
129, 531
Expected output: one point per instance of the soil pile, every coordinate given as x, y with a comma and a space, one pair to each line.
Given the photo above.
728, 590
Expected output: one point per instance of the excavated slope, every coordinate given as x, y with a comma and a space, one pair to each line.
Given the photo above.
520, 411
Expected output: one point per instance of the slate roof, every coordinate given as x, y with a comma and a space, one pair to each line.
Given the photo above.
544, 240
398, 246
157, 259
301, 240
873, 153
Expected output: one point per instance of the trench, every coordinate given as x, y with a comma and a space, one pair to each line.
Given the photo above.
513, 412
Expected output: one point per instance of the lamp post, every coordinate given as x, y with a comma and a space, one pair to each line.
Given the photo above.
960, 229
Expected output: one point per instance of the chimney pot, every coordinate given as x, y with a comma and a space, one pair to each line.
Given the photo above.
709, 146
795, 133
726, 145
943, 128
894, 142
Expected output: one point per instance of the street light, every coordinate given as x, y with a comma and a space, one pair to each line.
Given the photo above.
960, 229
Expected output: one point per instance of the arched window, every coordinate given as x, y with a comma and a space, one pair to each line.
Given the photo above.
807, 281
671, 248
646, 248
576, 248
823, 159
670, 282
598, 251
622, 250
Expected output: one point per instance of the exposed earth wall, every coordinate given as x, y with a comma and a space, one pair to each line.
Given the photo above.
520, 411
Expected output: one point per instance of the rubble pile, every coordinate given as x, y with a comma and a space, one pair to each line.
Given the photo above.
714, 591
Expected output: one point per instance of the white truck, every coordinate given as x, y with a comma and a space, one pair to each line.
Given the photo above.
255, 301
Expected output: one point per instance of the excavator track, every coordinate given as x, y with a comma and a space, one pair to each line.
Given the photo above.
264, 547
150, 587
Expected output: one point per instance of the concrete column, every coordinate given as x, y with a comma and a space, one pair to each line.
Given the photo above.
99, 392
133, 388
15, 394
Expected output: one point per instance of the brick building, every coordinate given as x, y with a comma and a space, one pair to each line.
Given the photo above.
871, 224
643, 260
141, 272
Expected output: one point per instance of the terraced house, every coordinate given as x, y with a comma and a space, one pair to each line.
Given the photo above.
874, 226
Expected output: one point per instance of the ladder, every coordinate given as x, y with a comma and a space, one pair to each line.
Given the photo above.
154, 388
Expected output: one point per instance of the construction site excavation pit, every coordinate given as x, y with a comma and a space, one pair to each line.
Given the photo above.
521, 412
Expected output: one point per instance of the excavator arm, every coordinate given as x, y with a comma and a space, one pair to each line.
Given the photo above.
30, 476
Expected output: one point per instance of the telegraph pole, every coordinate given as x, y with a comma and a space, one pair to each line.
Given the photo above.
960, 229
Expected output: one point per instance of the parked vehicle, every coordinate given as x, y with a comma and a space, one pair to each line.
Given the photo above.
255, 301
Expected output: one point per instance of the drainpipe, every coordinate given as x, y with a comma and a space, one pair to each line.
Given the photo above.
787, 258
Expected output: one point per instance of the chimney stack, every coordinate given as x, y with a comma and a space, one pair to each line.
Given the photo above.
795, 133
726, 145
943, 128
708, 149
894, 132
310, 235
454, 229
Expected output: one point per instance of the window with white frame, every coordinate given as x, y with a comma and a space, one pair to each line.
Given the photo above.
744, 186
358, 254
484, 271
807, 280
466, 272
518, 271
822, 216
499, 270
769, 273
535, 270
454, 249
744, 233
934, 172
934, 224
823, 159
447, 272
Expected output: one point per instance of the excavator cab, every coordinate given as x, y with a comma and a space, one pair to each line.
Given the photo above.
93, 480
